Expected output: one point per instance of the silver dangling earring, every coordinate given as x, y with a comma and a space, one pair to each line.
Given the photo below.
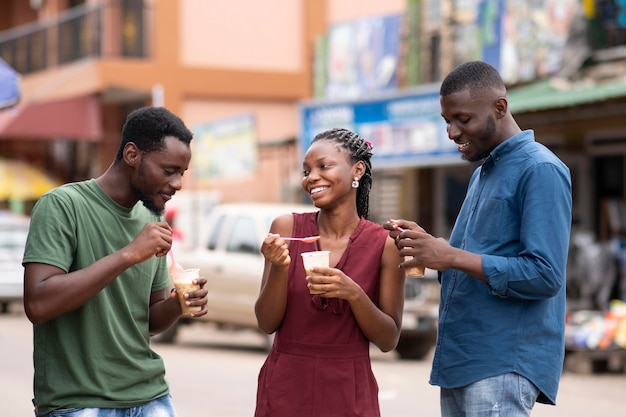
355, 183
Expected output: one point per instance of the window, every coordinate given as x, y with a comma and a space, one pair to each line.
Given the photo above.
215, 233
243, 237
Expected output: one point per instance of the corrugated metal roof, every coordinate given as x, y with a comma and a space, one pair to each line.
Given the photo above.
548, 94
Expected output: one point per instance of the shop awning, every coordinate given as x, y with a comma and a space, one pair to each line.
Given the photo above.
75, 118
60, 103
552, 94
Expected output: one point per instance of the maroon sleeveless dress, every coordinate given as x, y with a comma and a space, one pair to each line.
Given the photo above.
319, 364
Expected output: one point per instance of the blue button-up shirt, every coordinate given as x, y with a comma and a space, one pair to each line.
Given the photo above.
517, 215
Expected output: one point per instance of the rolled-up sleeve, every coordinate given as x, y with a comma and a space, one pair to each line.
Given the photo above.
534, 264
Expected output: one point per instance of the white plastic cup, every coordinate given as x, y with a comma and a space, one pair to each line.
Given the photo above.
183, 282
313, 259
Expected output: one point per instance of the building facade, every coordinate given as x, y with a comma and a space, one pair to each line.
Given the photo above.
243, 74
86, 64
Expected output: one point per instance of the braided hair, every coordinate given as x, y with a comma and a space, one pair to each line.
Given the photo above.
359, 150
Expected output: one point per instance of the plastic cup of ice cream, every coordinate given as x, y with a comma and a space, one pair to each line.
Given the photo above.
313, 259
183, 282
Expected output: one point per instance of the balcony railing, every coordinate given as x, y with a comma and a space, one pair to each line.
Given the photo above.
116, 29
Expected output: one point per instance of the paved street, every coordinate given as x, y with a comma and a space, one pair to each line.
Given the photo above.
213, 373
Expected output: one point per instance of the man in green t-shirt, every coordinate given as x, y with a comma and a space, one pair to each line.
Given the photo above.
96, 284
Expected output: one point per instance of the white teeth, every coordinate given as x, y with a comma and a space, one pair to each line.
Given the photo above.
461, 146
317, 190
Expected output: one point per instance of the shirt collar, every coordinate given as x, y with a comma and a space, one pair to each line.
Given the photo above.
511, 144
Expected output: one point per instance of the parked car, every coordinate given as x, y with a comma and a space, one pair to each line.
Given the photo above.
229, 258
13, 233
419, 318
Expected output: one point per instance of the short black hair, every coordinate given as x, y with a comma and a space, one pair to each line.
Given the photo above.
359, 150
147, 128
475, 75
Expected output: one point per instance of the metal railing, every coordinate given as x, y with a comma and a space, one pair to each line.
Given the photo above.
118, 28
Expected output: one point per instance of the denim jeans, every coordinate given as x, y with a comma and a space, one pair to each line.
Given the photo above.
506, 395
161, 407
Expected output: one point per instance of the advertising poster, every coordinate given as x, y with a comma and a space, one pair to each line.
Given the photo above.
412, 49
466, 32
534, 35
320, 75
362, 57
523, 39
224, 149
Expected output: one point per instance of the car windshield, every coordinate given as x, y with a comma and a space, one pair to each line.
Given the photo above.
243, 236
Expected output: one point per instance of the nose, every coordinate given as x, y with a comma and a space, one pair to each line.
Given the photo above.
312, 177
177, 182
453, 131
314, 174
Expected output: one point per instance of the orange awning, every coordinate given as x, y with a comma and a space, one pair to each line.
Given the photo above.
75, 118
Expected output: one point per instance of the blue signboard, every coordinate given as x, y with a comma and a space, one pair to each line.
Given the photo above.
406, 129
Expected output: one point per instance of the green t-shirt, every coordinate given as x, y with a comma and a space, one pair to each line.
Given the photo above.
98, 355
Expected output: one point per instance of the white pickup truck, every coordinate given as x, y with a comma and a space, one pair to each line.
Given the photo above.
227, 253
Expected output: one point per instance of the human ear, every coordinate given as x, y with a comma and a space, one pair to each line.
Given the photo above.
501, 107
132, 155
358, 170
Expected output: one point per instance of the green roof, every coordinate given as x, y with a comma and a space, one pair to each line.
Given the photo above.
543, 95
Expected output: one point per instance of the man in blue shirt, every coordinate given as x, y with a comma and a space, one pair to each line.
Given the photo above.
500, 341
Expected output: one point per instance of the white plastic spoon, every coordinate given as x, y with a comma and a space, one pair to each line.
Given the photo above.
309, 239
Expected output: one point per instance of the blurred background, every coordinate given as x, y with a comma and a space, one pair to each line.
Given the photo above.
256, 80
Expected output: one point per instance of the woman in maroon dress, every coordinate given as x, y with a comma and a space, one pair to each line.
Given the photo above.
319, 364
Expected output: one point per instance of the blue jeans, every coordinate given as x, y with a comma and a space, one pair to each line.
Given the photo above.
506, 395
161, 407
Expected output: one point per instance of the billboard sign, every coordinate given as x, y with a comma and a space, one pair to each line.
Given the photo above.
405, 129
225, 149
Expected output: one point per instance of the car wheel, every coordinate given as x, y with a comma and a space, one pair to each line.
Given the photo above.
168, 336
415, 347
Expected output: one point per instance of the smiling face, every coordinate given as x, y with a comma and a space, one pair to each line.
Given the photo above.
158, 174
328, 174
472, 122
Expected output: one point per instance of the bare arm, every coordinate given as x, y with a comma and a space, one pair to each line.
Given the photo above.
272, 301
165, 307
381, 324
50, 292
164, 310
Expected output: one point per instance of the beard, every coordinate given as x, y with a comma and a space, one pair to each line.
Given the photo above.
148, 202
484, 138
